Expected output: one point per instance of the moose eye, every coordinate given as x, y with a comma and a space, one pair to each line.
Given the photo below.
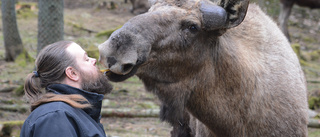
193, 28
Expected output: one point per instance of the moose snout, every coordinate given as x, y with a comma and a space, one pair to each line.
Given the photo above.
118, 67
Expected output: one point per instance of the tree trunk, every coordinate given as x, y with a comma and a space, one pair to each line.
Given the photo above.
130, 112
12, 41
50, 22
314, 123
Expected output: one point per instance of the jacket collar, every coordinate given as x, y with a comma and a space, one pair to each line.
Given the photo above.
94, 99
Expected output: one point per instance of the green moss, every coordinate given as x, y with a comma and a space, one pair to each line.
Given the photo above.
12, 123
27, 10
23, 59
74, 25
309, 40
7, 101
303, 63
313, 132
11, 128
311, 57
315, 55
305, 57
107, 32
25, 14
31, 4
19, 91
296, 49
113, 104
134, 80
92, 51
87, 42
148, 105
314, 102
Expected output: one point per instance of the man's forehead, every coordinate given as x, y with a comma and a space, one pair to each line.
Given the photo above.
74, 49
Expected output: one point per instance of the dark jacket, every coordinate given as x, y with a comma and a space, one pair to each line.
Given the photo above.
58, 119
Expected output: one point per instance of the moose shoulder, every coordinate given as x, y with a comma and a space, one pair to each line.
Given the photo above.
219, 68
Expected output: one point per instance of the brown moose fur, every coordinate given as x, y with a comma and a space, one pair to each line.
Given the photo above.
239, 81
285, 10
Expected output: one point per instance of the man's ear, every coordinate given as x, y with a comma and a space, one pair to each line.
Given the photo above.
72, 74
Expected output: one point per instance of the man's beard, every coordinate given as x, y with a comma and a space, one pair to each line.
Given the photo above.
98, 85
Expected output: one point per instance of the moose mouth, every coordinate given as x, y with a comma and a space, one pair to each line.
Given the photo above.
121, 72
118, 77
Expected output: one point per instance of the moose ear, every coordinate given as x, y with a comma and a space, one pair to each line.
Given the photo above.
214, 17
227, 14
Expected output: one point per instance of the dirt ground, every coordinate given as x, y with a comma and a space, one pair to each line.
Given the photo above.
304, 28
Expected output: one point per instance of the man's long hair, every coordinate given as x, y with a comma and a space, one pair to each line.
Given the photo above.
51, 63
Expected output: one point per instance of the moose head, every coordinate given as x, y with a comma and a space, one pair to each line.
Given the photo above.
171, 32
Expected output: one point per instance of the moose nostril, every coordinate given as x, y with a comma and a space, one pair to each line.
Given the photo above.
127, 67
111, 61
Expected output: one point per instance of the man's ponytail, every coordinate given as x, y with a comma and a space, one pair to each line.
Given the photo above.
32, 87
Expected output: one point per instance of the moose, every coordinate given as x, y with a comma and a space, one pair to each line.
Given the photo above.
220, 68
285, 10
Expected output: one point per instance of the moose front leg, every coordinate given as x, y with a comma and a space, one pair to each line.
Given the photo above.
180, 124
173, 109
173, 104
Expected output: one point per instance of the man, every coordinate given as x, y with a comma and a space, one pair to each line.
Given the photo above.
74, 87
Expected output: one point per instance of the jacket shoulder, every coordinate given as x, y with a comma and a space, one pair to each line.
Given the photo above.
60, 119
48, 109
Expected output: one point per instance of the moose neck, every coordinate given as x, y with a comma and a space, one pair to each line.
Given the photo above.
221, 56
231, 68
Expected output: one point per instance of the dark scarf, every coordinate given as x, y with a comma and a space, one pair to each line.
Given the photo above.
94, 99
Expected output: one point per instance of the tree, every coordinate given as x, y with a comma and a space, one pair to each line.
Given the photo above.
12, 41
50, 22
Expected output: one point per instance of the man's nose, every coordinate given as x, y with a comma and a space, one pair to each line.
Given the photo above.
94, 61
